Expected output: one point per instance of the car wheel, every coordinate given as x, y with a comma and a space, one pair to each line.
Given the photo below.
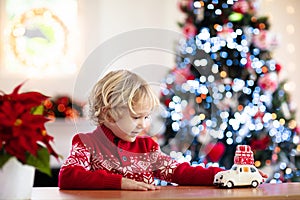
229, 184
254, 184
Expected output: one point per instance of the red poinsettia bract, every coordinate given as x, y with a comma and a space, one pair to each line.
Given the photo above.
22, 129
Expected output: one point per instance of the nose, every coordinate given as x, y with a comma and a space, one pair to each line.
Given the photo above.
142, 123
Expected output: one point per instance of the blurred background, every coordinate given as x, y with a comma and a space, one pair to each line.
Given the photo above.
87, 24
46, 44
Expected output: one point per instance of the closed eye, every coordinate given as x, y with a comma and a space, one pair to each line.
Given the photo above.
139, 117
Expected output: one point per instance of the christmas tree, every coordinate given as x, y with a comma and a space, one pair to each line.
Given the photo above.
225, 91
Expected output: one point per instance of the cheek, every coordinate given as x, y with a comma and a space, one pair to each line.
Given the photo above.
126, 124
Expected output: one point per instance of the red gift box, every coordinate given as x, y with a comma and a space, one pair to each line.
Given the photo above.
243, 155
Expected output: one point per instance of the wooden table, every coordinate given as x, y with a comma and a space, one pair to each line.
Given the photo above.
264, 191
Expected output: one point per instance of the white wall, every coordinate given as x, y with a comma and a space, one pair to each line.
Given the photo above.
284, 20
105, 20
102, 20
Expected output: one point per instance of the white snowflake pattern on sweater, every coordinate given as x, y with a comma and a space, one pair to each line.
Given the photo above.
141, 167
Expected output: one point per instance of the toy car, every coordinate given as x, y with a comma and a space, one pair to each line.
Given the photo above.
239, 175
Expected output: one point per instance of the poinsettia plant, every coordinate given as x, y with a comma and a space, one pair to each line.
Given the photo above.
22, 130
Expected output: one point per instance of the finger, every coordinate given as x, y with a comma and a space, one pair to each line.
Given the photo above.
157, 187
148, 186
141, 187
152, 187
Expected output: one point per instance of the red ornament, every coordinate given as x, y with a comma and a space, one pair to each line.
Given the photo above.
278, 67
167, 101
297, 130
242, 6
189, 30
243, 155
249, 61
182, 75
261, 144
214, 151
269, 82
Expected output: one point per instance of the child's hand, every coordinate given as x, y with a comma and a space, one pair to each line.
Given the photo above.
128, 184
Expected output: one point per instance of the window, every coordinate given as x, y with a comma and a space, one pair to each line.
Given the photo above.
246, 169
40, 37
252, 169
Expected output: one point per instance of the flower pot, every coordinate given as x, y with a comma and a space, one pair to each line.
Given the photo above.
16, 180
63, 131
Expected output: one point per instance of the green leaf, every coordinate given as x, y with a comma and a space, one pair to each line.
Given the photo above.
41, 162
180, 24
3, 159
38, 110
234, 17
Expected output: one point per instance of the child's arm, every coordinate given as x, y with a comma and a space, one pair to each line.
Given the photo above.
76, 174
76, 177
184, 173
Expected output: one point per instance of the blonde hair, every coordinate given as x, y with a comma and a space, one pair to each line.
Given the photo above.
116, 91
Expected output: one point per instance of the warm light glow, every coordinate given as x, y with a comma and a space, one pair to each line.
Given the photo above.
262, 26
277, 150
35, 30
288, 171
282, 121
292, 124
253, 19
268, 162
290, 9
202, 116
265, 69
198, 4
291, 48
290, 29
198, 99
61, 108
223, 74
257, 163
240, 107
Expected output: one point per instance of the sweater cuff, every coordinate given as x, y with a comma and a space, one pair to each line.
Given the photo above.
113, 182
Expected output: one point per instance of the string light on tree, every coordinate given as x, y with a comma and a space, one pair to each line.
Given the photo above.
226, 74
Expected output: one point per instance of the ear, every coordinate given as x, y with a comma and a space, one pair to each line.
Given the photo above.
107, 115
110, 118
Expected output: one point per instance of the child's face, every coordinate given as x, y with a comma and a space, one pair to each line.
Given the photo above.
130, 125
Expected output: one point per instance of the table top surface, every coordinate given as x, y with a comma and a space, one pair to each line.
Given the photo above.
264, 191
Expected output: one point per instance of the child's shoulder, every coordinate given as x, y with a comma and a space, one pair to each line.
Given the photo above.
82, 136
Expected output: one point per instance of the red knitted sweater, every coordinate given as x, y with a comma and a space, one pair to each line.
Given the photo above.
99, 160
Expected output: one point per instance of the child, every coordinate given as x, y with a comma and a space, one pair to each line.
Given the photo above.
113, 156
